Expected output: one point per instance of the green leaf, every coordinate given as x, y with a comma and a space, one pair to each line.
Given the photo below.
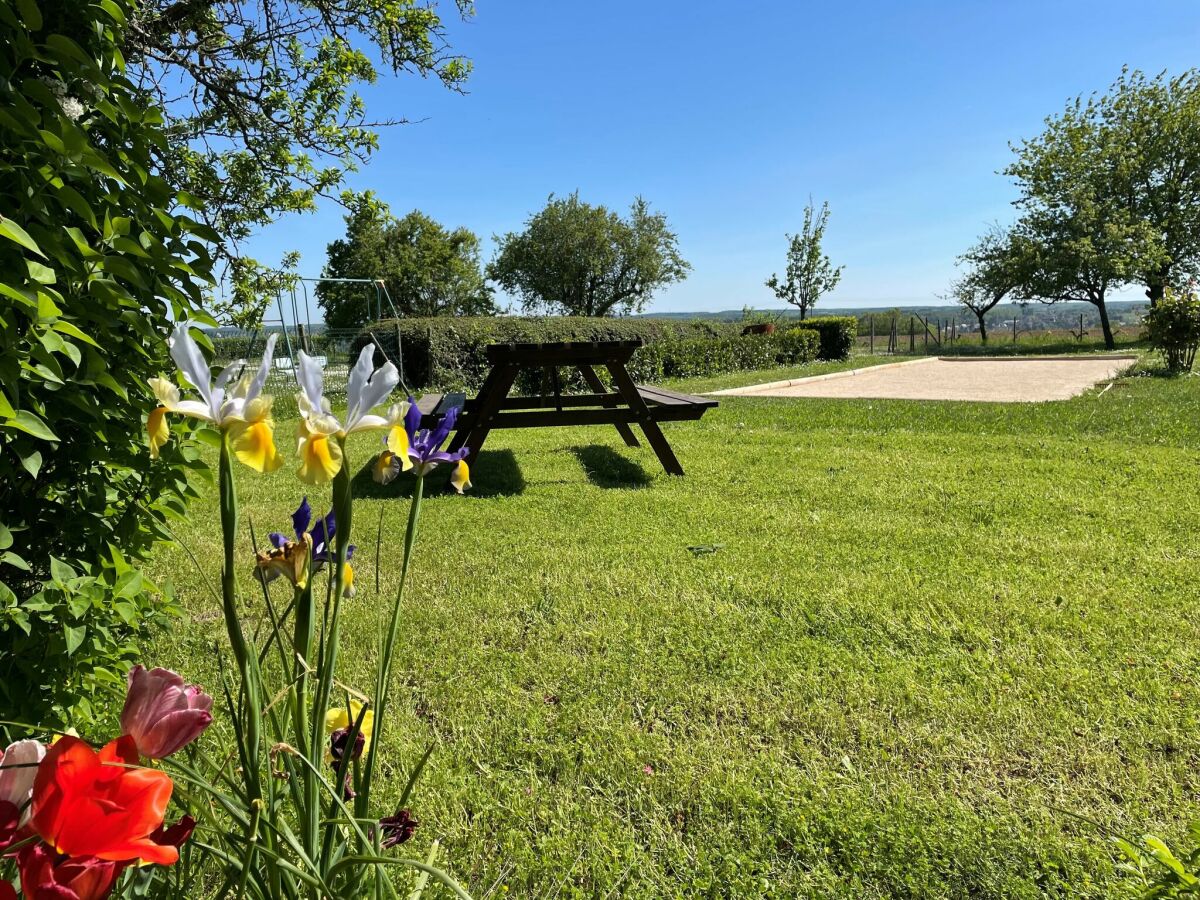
32, 462
14, 232
30, 424
60, 571
39, 273
11, 559
129, 584
6, 410
74, 635
6, 538
31, 14
114, 11
67, 328
73, 200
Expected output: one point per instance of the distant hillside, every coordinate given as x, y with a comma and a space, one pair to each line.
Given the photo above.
1029, 315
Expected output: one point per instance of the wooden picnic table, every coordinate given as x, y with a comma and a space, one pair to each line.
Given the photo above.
627, 404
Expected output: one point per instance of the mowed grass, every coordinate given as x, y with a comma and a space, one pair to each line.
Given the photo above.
926, 637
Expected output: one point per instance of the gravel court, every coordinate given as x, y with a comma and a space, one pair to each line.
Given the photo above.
979, 379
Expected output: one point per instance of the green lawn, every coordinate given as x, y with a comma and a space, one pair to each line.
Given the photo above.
930, 633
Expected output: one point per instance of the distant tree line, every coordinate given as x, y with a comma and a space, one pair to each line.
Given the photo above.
1109, 196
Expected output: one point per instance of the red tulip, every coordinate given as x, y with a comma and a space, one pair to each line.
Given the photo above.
46, 875
177, 835
101, 804
7, 891
163, 714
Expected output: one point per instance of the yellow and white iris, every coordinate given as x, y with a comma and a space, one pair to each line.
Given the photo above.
321, 434
241, 411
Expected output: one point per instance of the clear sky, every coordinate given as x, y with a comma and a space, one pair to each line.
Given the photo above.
728, 116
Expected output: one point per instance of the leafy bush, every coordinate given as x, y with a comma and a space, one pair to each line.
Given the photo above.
797, 346
449, 352
701, 357
1173, 328
93, 266
73, 638
837, 334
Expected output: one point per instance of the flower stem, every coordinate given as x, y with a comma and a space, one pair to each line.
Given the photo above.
242, 653
383, 673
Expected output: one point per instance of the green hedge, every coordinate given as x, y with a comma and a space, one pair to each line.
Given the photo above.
701, 357
838, 334
449, 352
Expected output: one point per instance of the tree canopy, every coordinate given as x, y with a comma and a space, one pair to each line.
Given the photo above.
810, 273
261, 97
428, 270
998, 265
582, 260
1111, 189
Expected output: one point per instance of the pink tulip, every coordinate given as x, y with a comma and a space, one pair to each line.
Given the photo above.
18, 768
162, 714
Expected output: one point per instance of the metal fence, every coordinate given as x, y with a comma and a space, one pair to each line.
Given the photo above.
329, 347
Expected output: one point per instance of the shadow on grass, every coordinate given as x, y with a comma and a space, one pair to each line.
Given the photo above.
607, 468
495, 474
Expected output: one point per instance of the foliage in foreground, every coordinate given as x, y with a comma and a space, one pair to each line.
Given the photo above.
95, 262
283, 807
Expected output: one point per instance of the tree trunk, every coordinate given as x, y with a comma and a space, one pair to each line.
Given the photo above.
1157, 286
1109, 342
982, 327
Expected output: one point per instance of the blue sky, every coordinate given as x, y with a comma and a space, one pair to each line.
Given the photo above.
728, 116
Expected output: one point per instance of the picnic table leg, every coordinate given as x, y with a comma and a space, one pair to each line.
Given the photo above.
654, 435
594, 382
495, 388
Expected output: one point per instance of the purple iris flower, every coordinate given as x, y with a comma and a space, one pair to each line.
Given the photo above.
409, 446
322, 534
424, 444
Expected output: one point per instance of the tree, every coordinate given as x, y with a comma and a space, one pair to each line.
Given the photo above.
998, 267
428, 270
810, 274
1134, 153
577, 259
1088, 238
1081, 251
261, 96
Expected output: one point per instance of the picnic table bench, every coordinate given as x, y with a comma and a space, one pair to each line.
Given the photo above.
627, 404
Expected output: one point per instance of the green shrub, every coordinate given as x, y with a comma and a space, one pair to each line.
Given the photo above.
703, 357
797, 346
72, 640
448, 352
1173, 328
838, 334
94, 265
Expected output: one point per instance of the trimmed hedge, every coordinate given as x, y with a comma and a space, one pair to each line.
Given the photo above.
700, 357
448, 352
838, 334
